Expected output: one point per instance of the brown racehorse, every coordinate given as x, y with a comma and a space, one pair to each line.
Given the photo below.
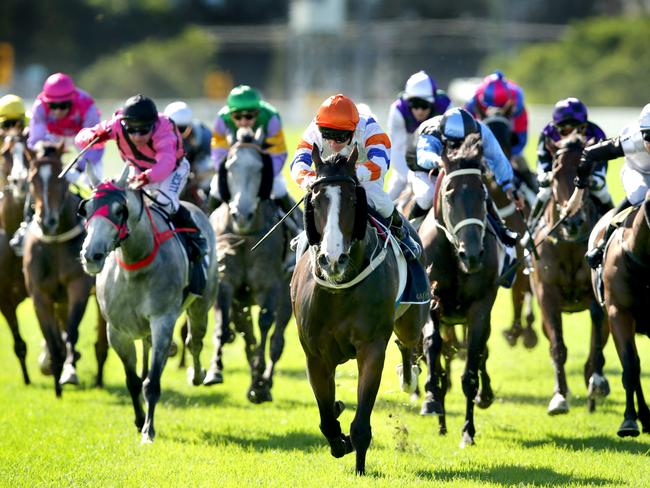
462, 260
626, 281
561, 279
521, 292
57, 283
344, 292
15, 160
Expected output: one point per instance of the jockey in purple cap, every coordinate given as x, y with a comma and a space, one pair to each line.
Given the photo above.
569, 115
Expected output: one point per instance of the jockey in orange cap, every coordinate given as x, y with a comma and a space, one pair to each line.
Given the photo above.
338, 126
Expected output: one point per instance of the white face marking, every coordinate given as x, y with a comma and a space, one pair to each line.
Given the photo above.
332, 246
45, 172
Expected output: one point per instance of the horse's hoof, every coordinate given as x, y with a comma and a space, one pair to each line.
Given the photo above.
598, 387
194, 378
484, 400
529, 337
339, 406
442, 431
173, 349
558, 405
340, 446
146, 439
431, 407
44, 363
213, 377
411, 386
629, 428
259, 395
510, 338
68, 375
466, 440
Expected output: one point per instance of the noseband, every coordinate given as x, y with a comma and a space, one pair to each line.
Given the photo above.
452, 231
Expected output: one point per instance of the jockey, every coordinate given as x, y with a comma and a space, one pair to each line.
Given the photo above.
60, 111
634, 144
196, 136
13, 118
245, 108
151, 145
337, 127
569, 115
420, 101
496, 94
452, 128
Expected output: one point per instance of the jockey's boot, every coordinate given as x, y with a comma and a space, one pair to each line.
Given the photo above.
17, 241
213, 203
410, 247
196, 246
505, 235
417, 211
294, 221
594, 256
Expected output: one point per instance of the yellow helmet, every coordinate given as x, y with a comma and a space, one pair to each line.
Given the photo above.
12, 107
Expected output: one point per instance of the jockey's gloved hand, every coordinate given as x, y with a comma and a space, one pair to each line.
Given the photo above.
102, 134
363, 173
138, 181
73, 175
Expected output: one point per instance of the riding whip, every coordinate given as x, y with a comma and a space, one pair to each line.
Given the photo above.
517, 263
278, 223
74, 162
531, 239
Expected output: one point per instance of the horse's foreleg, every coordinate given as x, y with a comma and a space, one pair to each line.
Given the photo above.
125, 349
77, 294
260, 391
529, 335
597, 384
321, 378
8, 309
277, 338
622, 325
435, 384
197, 318
485, 395
370, 360
517, 294
162, 330
44, 307
408, 329
221, 334
101, 348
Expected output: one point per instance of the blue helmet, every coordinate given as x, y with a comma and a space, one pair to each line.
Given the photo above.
457, 123
569, 109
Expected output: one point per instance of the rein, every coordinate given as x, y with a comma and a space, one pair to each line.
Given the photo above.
451, 233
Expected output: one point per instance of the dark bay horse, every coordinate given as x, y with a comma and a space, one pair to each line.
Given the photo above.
521, 292
626, 280
462, 259
344, 292
248, 277
562, 279
15, 159
57, 283
142, 270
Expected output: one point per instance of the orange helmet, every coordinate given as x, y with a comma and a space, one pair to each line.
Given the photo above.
338, 112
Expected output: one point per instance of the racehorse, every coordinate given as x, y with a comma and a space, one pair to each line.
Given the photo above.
344, 292
141, 272
626, 283
15, 163
521, 292
561, 278
249, 277
462, 258
53, 275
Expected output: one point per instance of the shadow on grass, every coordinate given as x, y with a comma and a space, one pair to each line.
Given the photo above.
597, 443
290, 441
514, 475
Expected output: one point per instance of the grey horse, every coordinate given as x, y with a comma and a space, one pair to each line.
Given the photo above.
142, 270
248, 277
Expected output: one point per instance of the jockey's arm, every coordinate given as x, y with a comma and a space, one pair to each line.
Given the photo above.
428, 150
398, 137
377, 146
603, 151
301, 164
37, 125
520, 130
165, 143
275, 144
496, 159
219, 144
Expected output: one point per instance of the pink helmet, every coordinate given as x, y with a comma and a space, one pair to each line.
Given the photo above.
59, 87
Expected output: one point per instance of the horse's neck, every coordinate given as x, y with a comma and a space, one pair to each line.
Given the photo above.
639, 243
140, 241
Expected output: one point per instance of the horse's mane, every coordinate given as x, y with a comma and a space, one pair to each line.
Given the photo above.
574, 140
469, 154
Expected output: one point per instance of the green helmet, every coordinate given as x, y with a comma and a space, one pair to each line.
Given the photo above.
243, 97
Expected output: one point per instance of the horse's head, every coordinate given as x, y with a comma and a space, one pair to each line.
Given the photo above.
106, 213
499, 122
335, 212
566, 155
48, 191
463, 195
16, 159
245, 178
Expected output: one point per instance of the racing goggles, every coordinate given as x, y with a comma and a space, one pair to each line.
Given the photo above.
137, 129
419, 103
9, 123
567, 127
337, 135
244, 115
60, 105
645, 135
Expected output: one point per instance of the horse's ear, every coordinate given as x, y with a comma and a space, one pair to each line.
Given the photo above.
60, 148
121, 182
352, 159
230, 139
92, 177
315, 157
259, 136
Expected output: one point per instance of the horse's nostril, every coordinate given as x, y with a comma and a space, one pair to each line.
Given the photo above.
97, 256
462, 254
343, 259
322, 260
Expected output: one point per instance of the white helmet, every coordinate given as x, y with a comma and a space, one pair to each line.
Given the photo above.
420, 85
644, 118
179, 112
